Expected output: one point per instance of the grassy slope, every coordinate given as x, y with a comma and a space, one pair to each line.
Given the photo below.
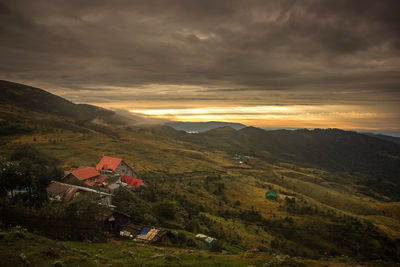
158, 152
41, 251
150, 153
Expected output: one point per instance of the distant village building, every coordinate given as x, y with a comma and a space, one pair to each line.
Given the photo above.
88, 175
115, 165
121, 224
209, 241
109, 174
60, 192
131, 182
113, 186
271, 194
114, 221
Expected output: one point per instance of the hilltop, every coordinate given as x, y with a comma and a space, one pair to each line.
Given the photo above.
202, 126
337, 191
38, 100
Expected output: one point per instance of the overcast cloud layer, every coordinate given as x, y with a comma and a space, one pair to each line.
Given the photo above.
141, 55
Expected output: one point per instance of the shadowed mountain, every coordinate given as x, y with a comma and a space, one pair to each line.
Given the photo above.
331, 149
35, 99
385, 137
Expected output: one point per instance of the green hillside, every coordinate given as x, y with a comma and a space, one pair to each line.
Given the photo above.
337, 191
375, 161
35, 99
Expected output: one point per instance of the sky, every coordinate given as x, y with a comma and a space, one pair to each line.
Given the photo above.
282, 64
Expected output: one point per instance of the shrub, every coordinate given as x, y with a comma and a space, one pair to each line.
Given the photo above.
165, 210
181, 239
216, 246
149, 219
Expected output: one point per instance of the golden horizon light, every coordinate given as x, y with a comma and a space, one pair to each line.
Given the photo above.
296, 116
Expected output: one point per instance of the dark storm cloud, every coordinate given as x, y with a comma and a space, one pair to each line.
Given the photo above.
297, 47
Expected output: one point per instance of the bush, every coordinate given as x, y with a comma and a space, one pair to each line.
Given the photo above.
181, 239
192, 226
165, 210
76, 220
216, 246
149, 219
128, 202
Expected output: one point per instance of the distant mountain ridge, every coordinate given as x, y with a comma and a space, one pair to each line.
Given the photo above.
385, 137
202, 126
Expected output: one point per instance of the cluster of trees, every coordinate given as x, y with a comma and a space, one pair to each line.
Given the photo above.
29, 170
78, 219
143, 210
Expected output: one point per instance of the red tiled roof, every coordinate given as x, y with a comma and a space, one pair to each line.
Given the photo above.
90, 183
108, 163
84, 173
98, 180
101, 179
132, 182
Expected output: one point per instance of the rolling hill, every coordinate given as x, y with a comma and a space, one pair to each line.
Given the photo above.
35, 99
202, 126
338, 191
331, 149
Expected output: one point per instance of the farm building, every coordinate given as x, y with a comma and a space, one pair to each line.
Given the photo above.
271, 194
114, 221
88, 175
132, 182
209, 241
130, 230
114, 165
121, 224
60, 192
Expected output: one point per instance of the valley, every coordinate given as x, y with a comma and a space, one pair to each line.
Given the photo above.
337, 191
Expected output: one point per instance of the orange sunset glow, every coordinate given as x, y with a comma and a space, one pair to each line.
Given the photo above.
302, 65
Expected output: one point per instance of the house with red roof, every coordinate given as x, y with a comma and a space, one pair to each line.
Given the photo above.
115, 165
88, 175
132, 182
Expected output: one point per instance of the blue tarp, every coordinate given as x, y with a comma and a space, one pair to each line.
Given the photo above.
210, 241
144, 231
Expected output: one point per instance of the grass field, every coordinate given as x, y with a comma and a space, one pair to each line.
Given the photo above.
20, 248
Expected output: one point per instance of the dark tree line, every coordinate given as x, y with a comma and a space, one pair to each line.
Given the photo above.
29, 170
